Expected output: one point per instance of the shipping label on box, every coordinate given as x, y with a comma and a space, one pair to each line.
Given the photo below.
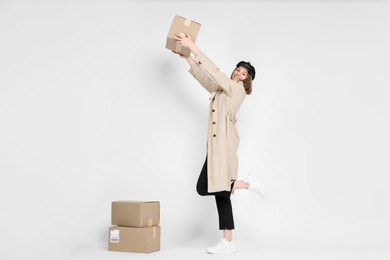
135, 213
114, 236
136, 240
181, 25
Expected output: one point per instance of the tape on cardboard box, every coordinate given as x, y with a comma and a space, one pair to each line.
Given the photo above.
154, 232
187, 22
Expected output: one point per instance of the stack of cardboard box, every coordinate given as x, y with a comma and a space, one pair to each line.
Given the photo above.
136, 226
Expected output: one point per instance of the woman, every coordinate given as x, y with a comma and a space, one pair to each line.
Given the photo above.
219, 173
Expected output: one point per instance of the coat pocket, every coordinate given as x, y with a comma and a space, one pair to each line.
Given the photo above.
232, 118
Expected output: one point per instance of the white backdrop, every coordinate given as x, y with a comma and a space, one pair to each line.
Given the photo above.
93, 108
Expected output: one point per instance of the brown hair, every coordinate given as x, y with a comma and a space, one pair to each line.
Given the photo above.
247, 83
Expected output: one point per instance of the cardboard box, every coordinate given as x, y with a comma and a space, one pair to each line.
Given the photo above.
181, 25
136, 240
135, 213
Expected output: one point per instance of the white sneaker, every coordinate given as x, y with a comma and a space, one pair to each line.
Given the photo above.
256, 185
222, 247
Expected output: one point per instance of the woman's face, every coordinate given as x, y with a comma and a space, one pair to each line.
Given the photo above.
239, 74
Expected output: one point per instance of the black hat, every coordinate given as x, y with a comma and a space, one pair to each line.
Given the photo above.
249, 67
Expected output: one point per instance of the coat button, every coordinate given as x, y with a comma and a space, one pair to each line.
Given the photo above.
200, 62
214, 135
213, 123
213, 110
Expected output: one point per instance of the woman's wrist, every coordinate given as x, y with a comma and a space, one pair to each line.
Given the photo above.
190, 60
194, 49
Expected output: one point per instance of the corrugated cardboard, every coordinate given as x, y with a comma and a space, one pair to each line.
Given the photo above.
181, 25
135, 213
137, 240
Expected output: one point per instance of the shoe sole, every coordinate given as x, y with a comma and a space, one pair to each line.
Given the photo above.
262, 190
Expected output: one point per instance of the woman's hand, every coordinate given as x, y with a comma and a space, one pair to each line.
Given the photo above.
186, 41
180, 55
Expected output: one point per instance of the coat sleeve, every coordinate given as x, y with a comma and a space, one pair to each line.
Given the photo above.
221, 80
203, 78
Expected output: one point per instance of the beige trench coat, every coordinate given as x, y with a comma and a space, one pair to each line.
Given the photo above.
222, 138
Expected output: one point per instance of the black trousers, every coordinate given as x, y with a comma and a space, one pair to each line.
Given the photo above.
222, 198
